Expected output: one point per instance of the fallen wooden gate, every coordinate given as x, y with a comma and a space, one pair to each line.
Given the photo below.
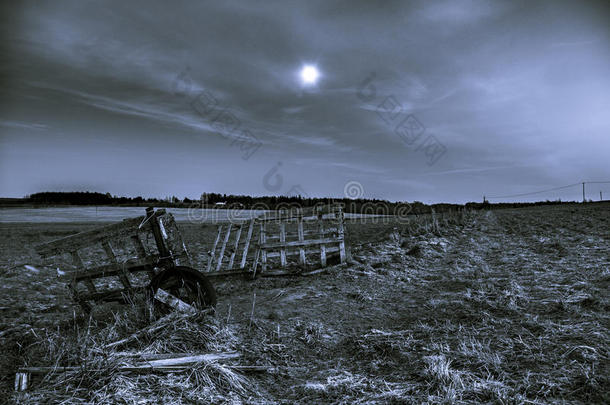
272, 240
283, 235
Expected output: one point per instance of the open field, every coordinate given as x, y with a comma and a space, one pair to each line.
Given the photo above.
510, 306
80, 214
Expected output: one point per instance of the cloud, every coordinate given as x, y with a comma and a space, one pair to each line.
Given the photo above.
487, 79
23, 125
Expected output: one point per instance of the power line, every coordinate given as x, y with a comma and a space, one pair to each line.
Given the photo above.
536, 192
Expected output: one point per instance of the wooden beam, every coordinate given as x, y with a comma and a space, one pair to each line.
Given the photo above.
263, 251
234, 272
164, 322
153, 223
107, 270
212, 253
271, 255
223, 247
168, 299
123, 273
126, 228
80, 268
301, 239
110, 295
340, 217
235, 245
141, 253
22, 380
283, 241
137, 244
297, 243
244, 256
173, 240
181, 361
322, 246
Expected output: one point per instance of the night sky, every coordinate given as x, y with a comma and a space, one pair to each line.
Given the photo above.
422, 100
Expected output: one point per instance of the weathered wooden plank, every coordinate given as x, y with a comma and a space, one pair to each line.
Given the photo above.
212, 253
272, 255
180, 361
173, 240
224, 273
110, 295
301, 236
263, 251
290, 235
235, 245
341, 236
297, 243
144, 368
322, 246
308, 214
123, 273
76, 295
80, 268
159, 324
107, 270
161, 363
257, 255
223, 247
22, 380
160, 238
283, 241
168, 299
141, 253
137, 244
151, 356
247, 245
77, 241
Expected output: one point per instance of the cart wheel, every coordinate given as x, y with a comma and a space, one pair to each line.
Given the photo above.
187, 284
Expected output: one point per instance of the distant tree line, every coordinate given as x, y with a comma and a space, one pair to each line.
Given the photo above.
217, 200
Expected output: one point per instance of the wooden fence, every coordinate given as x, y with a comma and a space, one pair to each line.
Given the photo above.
278, 240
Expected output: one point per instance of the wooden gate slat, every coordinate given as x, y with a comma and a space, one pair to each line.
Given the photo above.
283, 240
247, 245
212, 253
263, 251
141, 252
341, 234
301, 239
322, 247
223, 247
112, 257
235, 245
78, 262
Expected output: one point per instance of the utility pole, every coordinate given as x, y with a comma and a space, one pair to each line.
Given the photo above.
600, 196
583, 192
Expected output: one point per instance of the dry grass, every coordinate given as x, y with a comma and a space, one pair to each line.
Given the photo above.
98, 381
503, 307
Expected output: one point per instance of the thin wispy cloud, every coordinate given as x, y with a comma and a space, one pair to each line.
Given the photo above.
23, 125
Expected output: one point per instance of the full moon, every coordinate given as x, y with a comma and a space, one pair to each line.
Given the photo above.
309, 74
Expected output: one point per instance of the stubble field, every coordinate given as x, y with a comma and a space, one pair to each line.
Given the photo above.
507, 306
